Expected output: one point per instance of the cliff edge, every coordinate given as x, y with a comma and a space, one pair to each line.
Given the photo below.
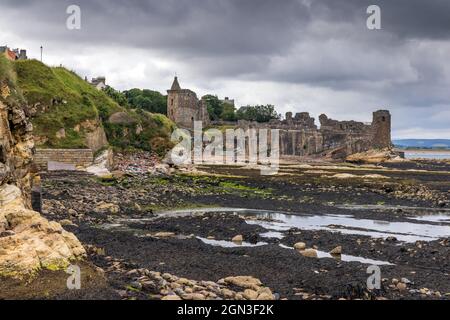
28, 242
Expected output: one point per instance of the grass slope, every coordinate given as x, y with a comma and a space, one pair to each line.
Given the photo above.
65, 100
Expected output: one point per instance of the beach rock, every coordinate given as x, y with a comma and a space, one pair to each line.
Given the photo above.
164, 234
227, 293
108, 208
171, 297
310, 253
33, 243
250, 294
336, 251
401, 286
238, 238
265, 296
300, 246
193, 296
247, 282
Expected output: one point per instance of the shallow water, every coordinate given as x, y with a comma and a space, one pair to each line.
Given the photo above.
230, 244
427, 155
320, 254
403, 231
346, 258
277, 222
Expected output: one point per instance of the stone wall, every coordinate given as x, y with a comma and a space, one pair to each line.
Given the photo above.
76, 157
299, 135
183, 107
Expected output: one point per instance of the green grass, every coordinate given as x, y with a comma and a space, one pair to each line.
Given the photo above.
64, 100
76, 101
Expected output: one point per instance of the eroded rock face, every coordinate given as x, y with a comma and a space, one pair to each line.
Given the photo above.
28, 242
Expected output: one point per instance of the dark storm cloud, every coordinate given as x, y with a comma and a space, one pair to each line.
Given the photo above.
196, 27
314, 43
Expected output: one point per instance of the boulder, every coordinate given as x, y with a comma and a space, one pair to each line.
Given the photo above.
246, 282
171, 297
374, 156
300, 246
238, 238
108, 208
310, 253
336, 251
35, 243
250, 294
32, 242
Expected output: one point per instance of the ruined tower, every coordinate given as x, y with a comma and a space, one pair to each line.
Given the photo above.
381, 129
183, 107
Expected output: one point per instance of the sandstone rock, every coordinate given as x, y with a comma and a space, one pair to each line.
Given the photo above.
300, 246
171, 297
164, 234
108, 208
72, 212
185, 282
33, 243
238, 238
61, 133
265, 296
336, 251
247, 282
193, 296
310, 253
401, 286
250, 294
37, 244
66, 222
227, 293
373, 156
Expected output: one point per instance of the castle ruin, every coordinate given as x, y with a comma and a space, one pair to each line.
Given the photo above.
183, 107
299, 134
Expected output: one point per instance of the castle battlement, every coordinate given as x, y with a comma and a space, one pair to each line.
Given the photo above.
299, 134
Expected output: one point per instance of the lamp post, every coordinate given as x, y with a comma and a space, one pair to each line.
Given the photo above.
42, 49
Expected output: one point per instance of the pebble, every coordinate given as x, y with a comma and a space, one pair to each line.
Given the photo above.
300, 246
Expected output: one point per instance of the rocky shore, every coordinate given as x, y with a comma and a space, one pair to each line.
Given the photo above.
144, 250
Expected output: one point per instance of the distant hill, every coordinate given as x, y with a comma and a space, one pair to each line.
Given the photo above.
422, 143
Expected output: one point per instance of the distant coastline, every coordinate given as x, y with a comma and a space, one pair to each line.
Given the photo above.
421, 153
422, 144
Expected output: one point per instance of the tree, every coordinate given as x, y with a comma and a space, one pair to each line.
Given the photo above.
259, 113
117, 96
228, 113
214, 106
148, 100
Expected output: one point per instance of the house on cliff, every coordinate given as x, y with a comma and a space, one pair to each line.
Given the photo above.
13, 55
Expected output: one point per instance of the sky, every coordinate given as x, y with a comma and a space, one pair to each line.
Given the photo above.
299, 55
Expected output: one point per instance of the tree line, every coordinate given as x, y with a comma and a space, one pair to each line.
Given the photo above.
218, 110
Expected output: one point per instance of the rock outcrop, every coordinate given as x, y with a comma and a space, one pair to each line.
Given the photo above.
28, 242
374, 156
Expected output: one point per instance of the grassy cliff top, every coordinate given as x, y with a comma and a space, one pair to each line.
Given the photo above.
62, 99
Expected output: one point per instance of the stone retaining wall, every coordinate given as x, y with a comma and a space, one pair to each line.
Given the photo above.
76, 157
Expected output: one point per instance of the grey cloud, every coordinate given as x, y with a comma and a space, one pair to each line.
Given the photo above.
322, 44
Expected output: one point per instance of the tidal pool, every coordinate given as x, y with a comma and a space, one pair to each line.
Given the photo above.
278, 222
